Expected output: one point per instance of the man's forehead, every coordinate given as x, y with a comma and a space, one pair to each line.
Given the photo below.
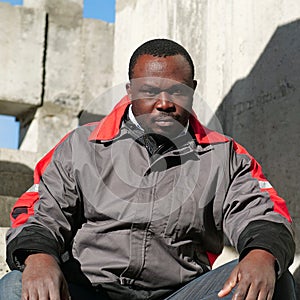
160, 61
174, 67
145, 82
155, 64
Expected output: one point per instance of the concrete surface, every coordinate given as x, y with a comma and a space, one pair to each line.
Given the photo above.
98, 39
49, 124
21, 58
3, 266
262, 111
16, 176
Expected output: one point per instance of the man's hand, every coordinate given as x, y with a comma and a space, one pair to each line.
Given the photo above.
43, 279
254, 276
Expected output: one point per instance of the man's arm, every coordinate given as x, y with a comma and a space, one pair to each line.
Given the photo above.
45, 219
257, 223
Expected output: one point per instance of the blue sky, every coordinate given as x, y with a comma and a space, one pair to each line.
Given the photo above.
96, 9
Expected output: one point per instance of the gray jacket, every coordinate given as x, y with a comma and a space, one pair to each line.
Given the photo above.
153, 219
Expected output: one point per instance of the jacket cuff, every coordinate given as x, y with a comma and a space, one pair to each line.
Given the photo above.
31, 240
272, 237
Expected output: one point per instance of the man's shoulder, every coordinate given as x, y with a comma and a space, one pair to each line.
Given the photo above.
85, 129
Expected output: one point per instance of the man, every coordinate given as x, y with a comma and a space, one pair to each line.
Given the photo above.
135, 207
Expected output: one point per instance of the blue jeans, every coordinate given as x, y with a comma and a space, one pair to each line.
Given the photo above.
205, 287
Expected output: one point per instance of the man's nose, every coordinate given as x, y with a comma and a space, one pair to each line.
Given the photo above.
164, 102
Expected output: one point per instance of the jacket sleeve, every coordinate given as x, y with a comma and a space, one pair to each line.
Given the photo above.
46, 217
255, 217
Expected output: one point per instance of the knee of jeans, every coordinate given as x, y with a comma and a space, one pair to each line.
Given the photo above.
11, 283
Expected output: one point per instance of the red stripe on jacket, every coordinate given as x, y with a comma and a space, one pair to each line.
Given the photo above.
256, 172
29, 198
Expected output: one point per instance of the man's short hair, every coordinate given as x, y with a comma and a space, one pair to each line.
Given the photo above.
160, 48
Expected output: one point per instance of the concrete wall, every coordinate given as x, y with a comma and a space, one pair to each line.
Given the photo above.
262, 112
54, 62
21, 58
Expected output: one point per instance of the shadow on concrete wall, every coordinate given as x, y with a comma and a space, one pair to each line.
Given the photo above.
262, 112
16, 178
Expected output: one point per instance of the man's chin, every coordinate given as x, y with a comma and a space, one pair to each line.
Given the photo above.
166, 132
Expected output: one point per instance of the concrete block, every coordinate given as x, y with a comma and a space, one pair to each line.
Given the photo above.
98, 43
26, 158
66, 7
51, 122
132, 29
262, 112
225, 40
16, 176
63, 70
63, 66
3, 266
6, 204
21, 58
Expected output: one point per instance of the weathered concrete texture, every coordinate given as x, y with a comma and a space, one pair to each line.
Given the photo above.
98, 42
224, 38
234, 34
63, 67
6, 204
69, 7
133, 28
51, 122
29, 159
3, 266
70, 65
21, 58
16, 176
262, 112
77, 67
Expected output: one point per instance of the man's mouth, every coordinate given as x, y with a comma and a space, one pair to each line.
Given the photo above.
165, 121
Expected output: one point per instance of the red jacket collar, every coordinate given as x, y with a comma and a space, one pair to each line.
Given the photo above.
109, 127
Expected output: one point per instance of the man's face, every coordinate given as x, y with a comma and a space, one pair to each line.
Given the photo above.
161, 91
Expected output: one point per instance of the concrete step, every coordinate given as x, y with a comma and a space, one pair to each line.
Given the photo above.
3, 266
6, 204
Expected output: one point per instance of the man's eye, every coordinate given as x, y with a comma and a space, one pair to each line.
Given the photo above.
179, 91
149, 93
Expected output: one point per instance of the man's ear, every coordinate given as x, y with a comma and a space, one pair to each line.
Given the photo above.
128, 90
195, 84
